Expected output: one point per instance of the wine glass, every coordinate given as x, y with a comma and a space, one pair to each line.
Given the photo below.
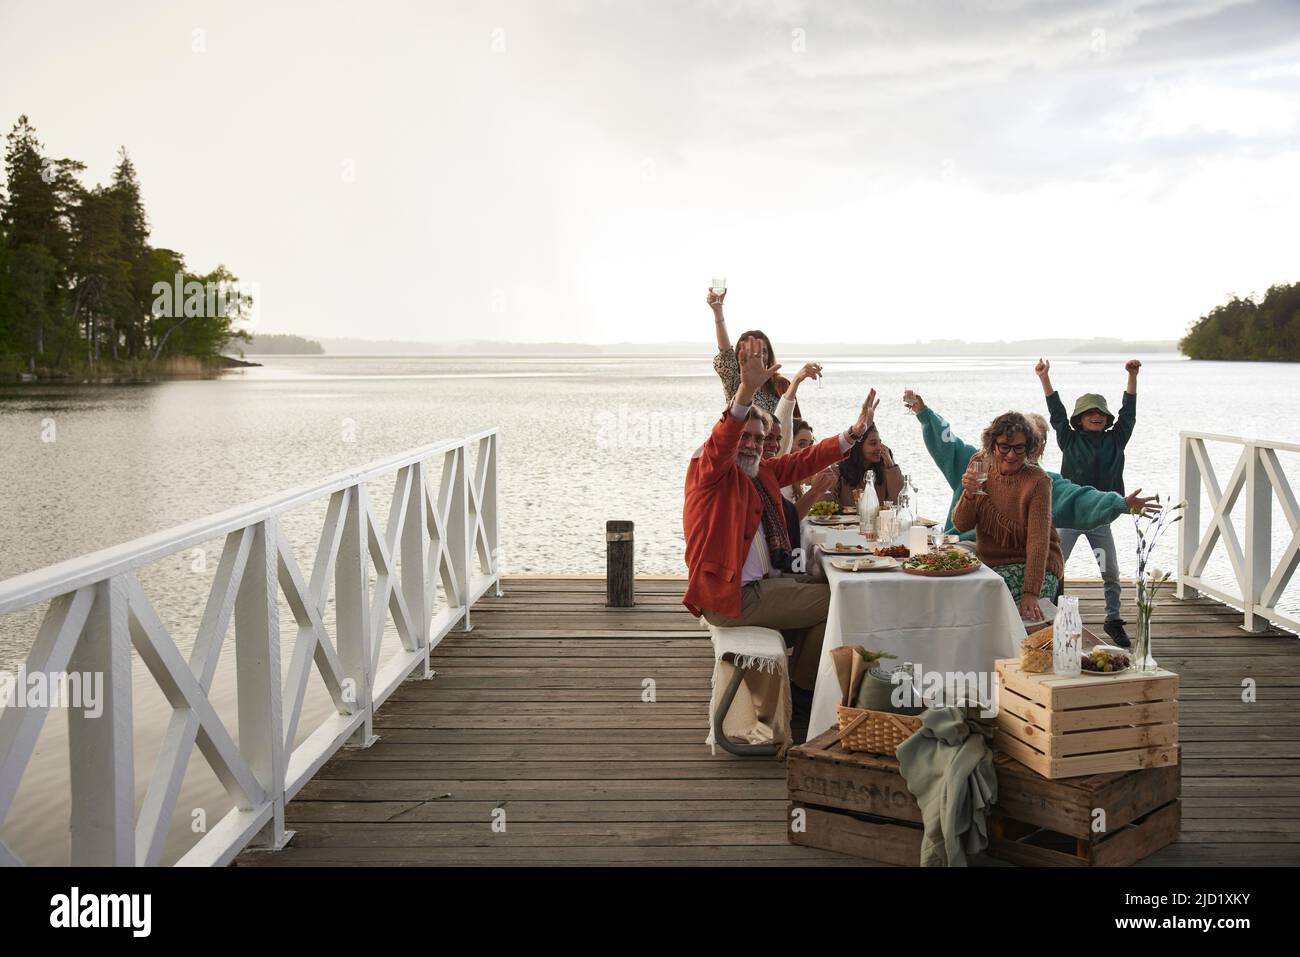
981, 474
719, 285
906, 404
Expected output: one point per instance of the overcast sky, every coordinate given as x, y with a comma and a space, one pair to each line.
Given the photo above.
859, 171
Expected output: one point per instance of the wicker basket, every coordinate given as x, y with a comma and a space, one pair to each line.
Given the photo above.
876, 732
1034, 660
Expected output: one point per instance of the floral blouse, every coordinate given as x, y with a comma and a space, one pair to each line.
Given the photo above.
728, 369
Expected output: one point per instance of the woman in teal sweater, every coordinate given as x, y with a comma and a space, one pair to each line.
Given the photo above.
1073, 506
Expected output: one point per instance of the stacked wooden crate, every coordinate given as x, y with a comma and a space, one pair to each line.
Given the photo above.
859, 804
1068, 727
852, 802
1112, 819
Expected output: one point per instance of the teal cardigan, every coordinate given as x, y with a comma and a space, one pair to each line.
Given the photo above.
1073, 506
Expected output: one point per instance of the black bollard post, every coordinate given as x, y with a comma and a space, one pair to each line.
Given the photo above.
620, 591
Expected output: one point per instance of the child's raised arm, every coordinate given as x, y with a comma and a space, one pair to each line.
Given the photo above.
1043, 367
1127, 417
1055, 408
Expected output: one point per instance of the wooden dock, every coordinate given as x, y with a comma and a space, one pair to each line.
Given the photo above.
538, 712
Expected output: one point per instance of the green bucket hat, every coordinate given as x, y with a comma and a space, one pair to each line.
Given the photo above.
1089, 402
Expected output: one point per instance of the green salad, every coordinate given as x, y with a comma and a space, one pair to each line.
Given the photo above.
822, 508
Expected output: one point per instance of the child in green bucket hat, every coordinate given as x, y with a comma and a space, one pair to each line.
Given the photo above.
1092, 442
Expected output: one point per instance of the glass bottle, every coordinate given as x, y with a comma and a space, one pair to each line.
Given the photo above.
904, 513
868, 507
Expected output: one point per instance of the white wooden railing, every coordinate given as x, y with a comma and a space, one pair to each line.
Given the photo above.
1259, 472
98, 611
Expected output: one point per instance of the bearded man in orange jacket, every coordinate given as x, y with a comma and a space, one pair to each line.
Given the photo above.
735, 529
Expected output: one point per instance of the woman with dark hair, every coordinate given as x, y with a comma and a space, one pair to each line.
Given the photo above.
805, 494
1012, 513
803, 437
868, 455
728, 368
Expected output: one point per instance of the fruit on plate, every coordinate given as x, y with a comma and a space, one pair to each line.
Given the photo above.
1106, 662
946, 561
822, 508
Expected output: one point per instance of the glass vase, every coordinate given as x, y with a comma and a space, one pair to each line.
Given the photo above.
1067, 638
1143, 662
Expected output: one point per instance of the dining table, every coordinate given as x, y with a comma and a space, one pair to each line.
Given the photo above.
953, 626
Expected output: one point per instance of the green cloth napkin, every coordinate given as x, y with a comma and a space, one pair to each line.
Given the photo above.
948, 767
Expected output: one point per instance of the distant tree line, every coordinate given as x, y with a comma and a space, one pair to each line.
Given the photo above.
1246, 329
282, 345
80, 285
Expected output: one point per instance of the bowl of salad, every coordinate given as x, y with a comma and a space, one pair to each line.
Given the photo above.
942, 564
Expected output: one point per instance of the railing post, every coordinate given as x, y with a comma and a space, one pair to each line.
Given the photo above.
490, 508
1189, 532
100, 746
414, 559
352, 615
458, 530
1259, 537
257, 679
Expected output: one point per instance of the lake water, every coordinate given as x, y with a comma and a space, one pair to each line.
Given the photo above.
583, 440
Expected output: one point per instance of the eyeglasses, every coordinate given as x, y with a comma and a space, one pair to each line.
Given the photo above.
1005, 449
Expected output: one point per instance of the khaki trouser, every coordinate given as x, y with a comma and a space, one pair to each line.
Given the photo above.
787, 603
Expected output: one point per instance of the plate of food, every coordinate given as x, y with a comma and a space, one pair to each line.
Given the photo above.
1105, 661
833, 519
868, 564
942, 564
892, 551
844, 548
819, 509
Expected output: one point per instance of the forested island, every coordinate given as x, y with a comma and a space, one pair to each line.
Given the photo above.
1268, 330
83, 294
280, 344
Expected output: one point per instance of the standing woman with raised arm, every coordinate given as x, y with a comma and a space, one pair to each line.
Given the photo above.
728, 368
788, 402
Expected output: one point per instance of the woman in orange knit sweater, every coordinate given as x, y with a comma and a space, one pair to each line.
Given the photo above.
1014, 534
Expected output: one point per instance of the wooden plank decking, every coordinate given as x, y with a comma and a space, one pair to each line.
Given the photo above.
539, 711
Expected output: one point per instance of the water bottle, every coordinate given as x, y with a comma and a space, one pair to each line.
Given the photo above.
1067, 639
868, 507
904, 512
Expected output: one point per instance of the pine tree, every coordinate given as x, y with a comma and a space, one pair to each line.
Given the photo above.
36, 219
133, 300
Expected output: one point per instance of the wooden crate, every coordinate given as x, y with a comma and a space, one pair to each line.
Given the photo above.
876, 840
852, 802
1099, 820
859, 804
1066, 727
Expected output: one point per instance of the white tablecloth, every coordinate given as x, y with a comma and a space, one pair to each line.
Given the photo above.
960, 624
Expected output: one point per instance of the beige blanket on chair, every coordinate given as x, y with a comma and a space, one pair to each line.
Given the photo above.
760, 712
